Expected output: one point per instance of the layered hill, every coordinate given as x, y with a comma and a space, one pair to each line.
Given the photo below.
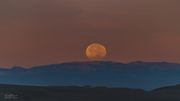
87, 93
145, 75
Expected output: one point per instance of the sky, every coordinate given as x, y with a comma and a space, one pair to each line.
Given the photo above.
39, 32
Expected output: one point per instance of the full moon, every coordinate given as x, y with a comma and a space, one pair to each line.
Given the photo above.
96, 51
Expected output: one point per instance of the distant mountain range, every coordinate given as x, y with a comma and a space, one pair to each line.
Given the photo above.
145, 75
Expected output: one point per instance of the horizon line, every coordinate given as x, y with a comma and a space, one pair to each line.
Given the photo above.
86, 61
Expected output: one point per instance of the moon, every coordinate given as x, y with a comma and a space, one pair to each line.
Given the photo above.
96, 51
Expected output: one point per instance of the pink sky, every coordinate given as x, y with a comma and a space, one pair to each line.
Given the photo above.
35, 32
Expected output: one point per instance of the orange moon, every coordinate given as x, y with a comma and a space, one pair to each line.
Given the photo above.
96, 51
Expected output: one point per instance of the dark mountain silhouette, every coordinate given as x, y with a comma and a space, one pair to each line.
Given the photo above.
145, 75
86, 93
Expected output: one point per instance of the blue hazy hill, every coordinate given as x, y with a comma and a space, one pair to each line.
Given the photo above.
145, 75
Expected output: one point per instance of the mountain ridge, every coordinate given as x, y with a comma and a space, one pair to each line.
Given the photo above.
88, 93
96, 62
146, 75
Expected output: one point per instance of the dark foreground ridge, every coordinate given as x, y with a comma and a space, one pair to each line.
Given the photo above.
74, 93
